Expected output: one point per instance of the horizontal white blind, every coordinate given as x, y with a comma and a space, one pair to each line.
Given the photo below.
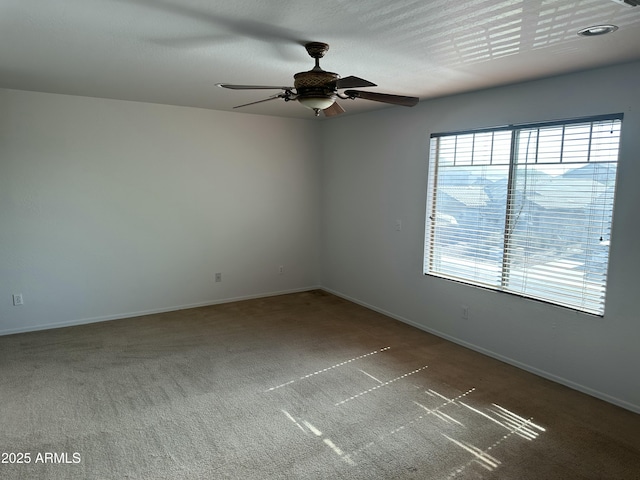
525, 210
469, 194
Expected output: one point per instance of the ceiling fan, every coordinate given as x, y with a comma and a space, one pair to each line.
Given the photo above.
319, 90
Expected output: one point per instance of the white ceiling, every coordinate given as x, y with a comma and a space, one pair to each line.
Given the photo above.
175, 51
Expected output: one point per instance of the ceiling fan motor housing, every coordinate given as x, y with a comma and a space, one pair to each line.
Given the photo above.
316, 83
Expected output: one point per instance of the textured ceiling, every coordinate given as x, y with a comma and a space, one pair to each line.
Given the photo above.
175, 51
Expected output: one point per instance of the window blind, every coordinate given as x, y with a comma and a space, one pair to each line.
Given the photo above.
525, 210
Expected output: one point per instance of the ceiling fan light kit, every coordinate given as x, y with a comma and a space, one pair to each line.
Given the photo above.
317, 103
318, 89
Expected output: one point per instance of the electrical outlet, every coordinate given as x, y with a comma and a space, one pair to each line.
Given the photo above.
17, 299
218, 277
465, 312
280, 269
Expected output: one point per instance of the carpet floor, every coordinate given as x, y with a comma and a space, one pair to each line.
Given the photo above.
300, 386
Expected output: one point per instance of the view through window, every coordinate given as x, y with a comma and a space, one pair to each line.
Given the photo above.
525, 209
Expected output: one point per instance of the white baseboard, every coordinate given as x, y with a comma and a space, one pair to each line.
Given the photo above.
120, 316
541, 373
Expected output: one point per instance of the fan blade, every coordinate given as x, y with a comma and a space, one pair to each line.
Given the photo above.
383, 97
333, 110
353, 82
259, 101
251, 87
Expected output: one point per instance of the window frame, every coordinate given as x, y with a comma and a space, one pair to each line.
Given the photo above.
506, 269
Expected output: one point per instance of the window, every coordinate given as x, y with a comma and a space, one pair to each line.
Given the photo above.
526, 209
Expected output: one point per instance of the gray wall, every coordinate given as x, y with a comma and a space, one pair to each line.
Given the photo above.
375, 171
110, 209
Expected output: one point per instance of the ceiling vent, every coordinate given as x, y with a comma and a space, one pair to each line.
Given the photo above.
628, 3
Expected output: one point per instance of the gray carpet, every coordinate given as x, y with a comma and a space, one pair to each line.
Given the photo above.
302, 386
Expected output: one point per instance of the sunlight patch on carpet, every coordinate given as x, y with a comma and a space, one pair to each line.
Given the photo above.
409, 426
324, 370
